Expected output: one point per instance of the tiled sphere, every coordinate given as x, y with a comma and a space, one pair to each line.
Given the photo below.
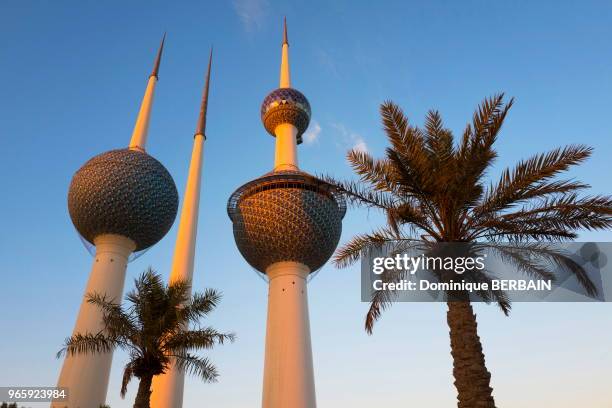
286, 105
124, 192
286, 216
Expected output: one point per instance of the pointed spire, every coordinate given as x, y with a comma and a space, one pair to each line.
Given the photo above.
158, 58
285, 39
141, 128
201, 127
285, 76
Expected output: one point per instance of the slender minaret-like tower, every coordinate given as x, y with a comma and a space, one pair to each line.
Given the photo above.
120, 201
287, 224
168, 388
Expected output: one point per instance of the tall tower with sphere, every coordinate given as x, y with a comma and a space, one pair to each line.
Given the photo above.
286, 225
120, 201
167, 389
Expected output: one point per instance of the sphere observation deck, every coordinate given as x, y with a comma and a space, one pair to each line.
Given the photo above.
125, 192
286, 216
286, 105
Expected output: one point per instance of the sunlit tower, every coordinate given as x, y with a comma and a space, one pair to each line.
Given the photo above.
121, 201
287, 224
168, 388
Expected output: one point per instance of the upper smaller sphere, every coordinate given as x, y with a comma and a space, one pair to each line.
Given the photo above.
124, 192
286, 105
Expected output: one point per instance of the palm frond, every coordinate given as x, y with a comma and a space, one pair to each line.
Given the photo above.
88, 344
170, 315
498, 229
439, 141
408, 152
381, 300
128, 373
414, 172
476, 152
396, 125
550, 218
178, 292
378, 173
199, 366
525, 181
202, 339
488, 119
359, 193
352, 251
500, 297
546, 258
564, 261
117, 322
148, 296
201, 305
523, 259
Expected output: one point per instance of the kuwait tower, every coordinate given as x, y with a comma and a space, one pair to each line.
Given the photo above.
168, 388
121, 201
286, 225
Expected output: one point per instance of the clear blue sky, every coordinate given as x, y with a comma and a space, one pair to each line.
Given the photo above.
72, 75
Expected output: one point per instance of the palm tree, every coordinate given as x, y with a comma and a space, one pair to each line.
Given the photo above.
433, 189
154, 330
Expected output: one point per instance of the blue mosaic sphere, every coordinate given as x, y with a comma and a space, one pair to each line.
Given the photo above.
286, 216
124, 192
286, 105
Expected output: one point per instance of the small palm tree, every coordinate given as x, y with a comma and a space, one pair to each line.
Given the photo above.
434, 190
154, 329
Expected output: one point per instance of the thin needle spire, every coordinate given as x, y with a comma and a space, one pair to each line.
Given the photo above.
201, 127
155, 71
285, 39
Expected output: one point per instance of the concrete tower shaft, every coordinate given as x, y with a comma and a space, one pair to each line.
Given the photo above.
167, 389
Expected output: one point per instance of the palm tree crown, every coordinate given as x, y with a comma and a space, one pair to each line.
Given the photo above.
434, 189
154, 329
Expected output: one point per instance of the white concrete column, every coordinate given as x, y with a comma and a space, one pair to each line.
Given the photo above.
285, 153
86, 375
285, 75
288, 368
168, 388
141, 128
184, 249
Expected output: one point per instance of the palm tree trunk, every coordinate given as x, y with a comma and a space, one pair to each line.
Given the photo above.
144, 392
469, 369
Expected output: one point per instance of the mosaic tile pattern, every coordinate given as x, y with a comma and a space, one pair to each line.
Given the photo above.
286, 105
124, 192
286, 216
